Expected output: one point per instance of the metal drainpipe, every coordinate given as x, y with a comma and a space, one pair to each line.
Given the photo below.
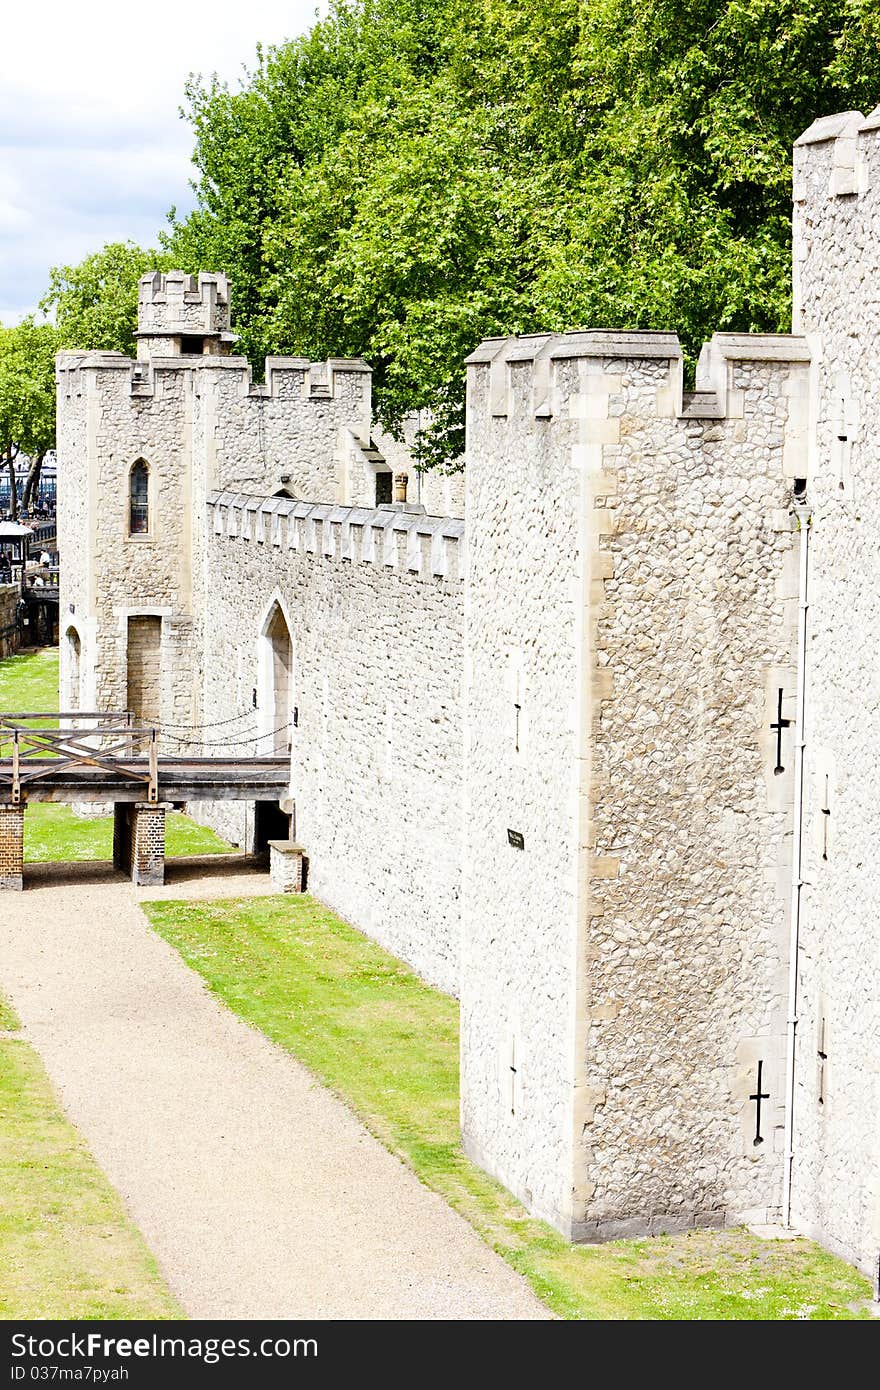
802, 511
418, 470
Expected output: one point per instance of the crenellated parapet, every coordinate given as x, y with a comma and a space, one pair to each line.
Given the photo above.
527, 375
285, 377
430, 547
172, 303
532, 375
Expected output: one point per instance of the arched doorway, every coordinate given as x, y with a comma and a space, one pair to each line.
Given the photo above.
276, 683
74, 669
275, 701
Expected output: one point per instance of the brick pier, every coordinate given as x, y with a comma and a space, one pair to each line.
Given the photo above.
139, 841
11, 845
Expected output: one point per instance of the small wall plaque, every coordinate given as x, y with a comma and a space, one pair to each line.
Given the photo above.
516, 838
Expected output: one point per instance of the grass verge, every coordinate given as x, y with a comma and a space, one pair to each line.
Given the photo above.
67, 1248
29, 682
388, 1045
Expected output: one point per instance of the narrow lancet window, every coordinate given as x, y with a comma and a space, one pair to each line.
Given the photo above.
139, 500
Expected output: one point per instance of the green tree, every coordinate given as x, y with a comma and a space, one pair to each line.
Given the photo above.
413, 175
94, 303
27, 400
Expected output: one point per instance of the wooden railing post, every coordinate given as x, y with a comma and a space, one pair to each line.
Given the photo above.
16, 770
153, 794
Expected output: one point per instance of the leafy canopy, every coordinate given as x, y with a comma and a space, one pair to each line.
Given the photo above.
27, 388
414, 175
95, 303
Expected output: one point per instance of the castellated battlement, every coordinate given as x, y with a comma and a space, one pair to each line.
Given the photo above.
173, 303
286, 377
571, 375
431, 547
844, 147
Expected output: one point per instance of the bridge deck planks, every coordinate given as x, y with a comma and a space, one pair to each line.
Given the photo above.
180, 779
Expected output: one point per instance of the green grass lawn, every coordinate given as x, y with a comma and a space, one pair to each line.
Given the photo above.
388, 1045
67, 1248
53, 832
29, 683
8, 1020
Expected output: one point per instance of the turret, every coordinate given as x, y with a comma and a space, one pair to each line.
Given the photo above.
182, 314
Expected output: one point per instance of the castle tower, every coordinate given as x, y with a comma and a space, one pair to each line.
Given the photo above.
640, 887
141, 444
183, 315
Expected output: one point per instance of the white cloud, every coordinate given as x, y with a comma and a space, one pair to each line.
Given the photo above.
92, 148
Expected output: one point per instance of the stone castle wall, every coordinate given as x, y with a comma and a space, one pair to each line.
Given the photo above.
558, 773
836, 1189
292, 432
194, 421
374, 605
649, 543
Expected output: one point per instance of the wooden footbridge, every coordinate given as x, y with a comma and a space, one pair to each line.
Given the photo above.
110, 757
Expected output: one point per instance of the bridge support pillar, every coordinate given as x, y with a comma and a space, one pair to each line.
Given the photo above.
286, 866
11, 846
139, 841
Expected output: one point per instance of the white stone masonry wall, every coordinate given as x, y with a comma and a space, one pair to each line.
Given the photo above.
624, 974
836, 1191
374, 605
195, 422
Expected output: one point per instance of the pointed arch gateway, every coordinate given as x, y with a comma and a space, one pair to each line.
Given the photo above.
275, 680
74, 668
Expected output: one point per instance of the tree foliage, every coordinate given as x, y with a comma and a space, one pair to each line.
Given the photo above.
414, 175
95, 303
27, 396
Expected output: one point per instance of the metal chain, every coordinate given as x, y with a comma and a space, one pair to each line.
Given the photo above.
219, 724
223, 743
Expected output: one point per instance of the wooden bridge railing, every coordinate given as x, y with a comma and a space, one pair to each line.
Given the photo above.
45, 752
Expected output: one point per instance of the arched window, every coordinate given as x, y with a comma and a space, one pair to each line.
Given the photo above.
139, 499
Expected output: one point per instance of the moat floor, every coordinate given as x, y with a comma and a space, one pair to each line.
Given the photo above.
259, 1192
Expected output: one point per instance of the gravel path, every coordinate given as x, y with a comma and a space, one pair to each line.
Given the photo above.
260, 1194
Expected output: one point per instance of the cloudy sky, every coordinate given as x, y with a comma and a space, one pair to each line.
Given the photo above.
92, 148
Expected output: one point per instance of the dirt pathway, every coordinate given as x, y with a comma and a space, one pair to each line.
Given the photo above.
261, 1195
